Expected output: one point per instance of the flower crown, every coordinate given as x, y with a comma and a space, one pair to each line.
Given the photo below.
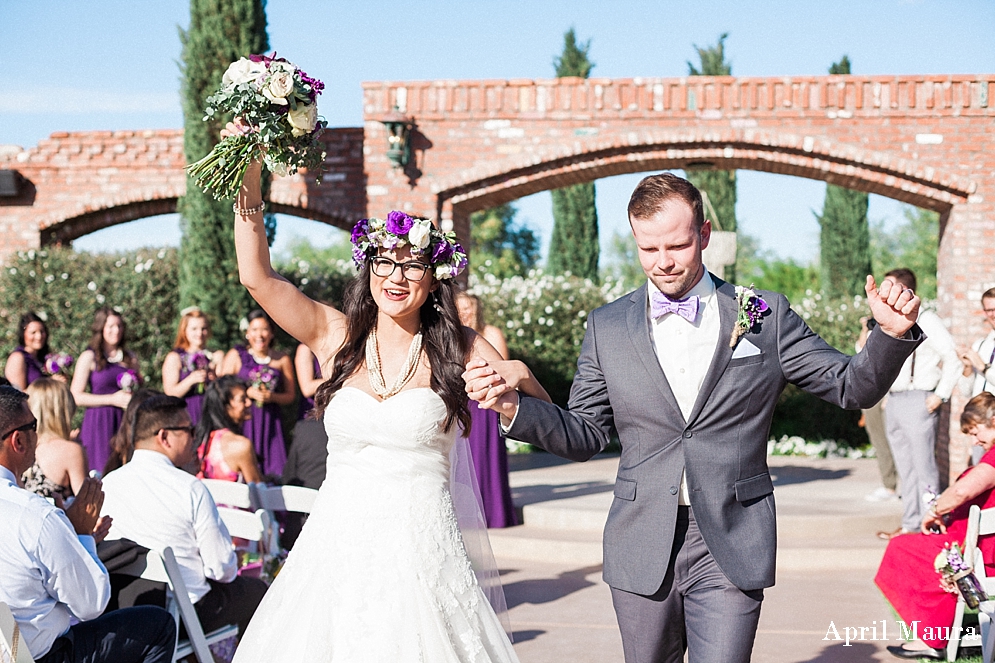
444, 253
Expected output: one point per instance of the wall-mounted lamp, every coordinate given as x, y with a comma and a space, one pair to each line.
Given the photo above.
398, 137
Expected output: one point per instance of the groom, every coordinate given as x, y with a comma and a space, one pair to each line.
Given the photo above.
690, 541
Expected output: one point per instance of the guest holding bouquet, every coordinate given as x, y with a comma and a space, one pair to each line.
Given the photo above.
191, 366
270, 377
907, 575
111, 372
32, 358
60, 465
225, 453
308, 378
487, 448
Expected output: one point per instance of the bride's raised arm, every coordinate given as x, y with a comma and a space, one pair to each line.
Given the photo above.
318, 326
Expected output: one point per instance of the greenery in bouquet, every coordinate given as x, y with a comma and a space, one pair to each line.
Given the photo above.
279, 102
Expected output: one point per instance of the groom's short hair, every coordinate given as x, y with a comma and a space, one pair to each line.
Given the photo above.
655, 191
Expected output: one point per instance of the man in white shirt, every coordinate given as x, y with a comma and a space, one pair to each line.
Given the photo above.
925, 382
49, 569
979, 374
156, 504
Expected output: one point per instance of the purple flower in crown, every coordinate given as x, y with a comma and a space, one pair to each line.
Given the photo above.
442, 251
359, 231
399, 223
358, 255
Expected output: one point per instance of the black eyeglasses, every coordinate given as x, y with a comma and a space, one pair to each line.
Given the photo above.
413, 270
185, 429
30, 426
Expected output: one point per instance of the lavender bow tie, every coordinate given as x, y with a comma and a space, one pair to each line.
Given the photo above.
687, 308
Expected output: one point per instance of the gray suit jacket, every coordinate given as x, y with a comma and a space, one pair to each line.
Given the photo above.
723, 446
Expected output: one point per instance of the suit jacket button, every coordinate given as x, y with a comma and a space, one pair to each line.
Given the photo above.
687, 434
673, 490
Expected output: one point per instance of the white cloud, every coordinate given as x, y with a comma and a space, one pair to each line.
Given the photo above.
79, 101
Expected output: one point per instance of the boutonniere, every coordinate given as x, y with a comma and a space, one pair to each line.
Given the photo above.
750, 307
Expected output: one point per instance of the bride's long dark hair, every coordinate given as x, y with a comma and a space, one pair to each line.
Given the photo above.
443, 340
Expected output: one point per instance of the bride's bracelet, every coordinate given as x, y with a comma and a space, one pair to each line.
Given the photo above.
248, 211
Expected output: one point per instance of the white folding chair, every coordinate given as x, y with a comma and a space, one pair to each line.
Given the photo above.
163, 568
12, 646
254, 526
979, 523
231, 493
286, 498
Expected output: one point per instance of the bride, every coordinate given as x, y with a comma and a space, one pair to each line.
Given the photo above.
380, 572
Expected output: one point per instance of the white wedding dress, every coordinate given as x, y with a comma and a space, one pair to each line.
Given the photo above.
380, 573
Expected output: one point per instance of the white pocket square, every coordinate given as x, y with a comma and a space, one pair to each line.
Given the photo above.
745, 349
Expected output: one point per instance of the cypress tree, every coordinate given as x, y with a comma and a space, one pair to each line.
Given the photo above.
574, 245
720, 185
220, 32
845, 240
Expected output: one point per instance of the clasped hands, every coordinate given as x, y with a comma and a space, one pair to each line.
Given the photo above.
494, 385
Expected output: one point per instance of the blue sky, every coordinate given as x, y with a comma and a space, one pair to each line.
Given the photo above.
112, 64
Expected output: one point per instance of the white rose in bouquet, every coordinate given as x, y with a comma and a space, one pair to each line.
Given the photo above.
242, 71
278, 87
303, 119
420, 234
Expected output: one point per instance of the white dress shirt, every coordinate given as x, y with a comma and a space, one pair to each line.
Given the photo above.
978, 381
685, 349
933, 366
157, 505
48, 574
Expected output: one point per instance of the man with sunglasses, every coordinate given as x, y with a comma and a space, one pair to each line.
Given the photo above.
49, 569
156, 504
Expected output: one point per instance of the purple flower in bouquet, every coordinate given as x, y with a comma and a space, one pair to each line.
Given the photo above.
399, 223
128, 381
56, 362
197, 361
263, 377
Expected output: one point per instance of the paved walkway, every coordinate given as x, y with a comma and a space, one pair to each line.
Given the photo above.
827, 556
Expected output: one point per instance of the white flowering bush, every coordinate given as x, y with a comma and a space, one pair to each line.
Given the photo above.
794, 445
66, 288
543, 318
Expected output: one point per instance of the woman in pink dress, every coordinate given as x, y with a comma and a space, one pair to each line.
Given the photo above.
224, 452
190, 365
907, 576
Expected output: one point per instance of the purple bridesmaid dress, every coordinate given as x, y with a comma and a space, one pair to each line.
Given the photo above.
264, 428
100, 423
490, 465
195, 401
307, 404
35, 368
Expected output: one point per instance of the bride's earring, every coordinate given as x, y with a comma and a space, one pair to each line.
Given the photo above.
435, 304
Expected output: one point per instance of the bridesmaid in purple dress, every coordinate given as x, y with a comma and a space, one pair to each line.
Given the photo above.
270, 376
487, 448
111, 372
190, 366
308, 379
27, 362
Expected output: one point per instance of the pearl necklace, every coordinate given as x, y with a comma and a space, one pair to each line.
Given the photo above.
375, 370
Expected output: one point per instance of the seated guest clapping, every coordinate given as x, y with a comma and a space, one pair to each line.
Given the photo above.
907, 576
156, 504
49, 569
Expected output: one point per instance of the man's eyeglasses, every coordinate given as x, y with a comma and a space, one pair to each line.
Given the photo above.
413, 270
183, 429
30, 426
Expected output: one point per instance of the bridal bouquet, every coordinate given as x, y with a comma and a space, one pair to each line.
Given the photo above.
278, 100
56, 362
956, 575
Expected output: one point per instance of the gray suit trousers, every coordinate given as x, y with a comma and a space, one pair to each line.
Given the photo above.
697, 609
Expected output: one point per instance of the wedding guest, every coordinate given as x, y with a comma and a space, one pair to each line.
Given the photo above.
223, 451
111, 372
27, 362
487, 447
270, 376
308, 379
912, 414
872, 420
156, 504
190, 366
907, 576
60, 465
121, 443
51, 574
979, 375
